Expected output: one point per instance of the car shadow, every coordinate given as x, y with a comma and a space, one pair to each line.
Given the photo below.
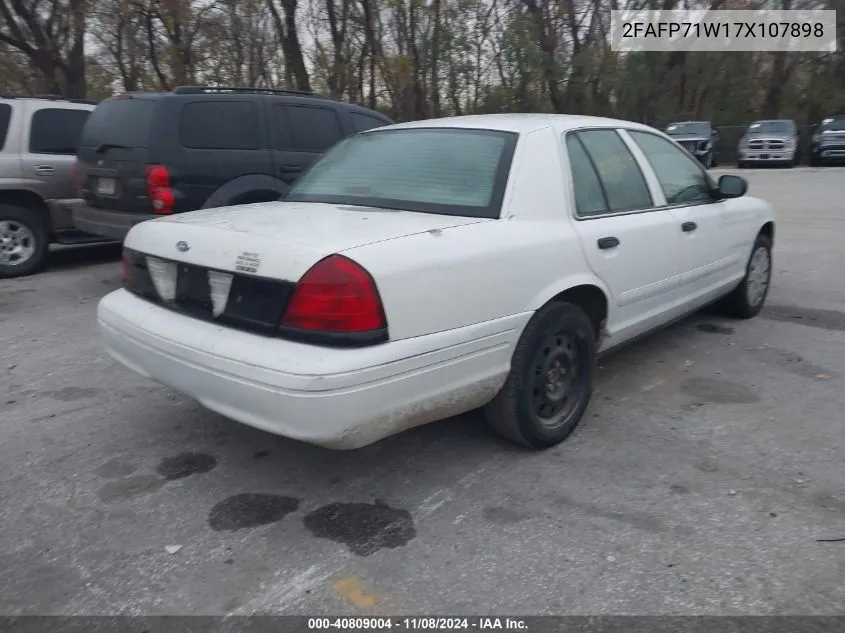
70, 257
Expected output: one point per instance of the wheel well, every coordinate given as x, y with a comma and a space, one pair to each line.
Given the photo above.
591, 299
769, 231
23, 198
27, 200
256, 196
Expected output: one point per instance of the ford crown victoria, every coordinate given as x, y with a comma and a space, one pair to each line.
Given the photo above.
425, 269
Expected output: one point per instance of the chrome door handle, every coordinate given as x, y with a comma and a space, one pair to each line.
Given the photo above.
45, 170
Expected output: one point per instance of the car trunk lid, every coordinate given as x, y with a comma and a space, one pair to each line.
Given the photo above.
285, 238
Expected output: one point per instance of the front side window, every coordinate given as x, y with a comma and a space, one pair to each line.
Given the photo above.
447, 170
681, 177
622, 180
363, 122
56, 131
311, 129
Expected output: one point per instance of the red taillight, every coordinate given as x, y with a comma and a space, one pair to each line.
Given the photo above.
335, 295
127, 271
158, 188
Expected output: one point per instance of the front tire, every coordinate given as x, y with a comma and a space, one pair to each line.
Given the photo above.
23, 241
550, 381
747, 299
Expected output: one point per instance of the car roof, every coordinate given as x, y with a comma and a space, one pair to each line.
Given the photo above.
774, 121
519, 123
684, 122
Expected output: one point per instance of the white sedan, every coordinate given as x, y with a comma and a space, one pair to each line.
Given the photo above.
422, 270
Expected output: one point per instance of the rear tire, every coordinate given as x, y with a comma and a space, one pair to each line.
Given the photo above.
550, 381
24, 241
747, 299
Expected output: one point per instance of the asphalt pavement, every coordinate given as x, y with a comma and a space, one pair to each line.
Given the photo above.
706, 478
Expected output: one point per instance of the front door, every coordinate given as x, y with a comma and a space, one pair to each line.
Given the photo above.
629, 244
707, 258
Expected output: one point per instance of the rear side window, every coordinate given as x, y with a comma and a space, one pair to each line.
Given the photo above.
120, 122
589, 195
219, 125
363, 122
56, 131
312, 129
5, 117
624, 184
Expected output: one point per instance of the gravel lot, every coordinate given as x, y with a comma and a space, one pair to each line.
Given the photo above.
706, 474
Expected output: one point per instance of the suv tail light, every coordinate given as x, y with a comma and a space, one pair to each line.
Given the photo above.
127, 270
158, 188
336, 296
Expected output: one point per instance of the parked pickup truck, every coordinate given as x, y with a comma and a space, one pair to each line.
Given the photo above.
699, 138
769, 142
38, 142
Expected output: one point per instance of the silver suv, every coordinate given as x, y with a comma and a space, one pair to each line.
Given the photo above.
38, 142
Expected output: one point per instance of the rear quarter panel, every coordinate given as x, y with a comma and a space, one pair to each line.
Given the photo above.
441, 280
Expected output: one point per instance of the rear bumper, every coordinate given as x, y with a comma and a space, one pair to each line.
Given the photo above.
337, 398
106, 223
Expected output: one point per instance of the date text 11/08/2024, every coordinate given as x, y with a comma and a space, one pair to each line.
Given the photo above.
417, 624
723, 29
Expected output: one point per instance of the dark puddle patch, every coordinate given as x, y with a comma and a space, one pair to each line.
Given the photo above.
69, 394
713, 328
261, 454
129, 487
250, 510
501, 515
115, 468
679, 489
363, 527
184, 465
718, 391
832, 320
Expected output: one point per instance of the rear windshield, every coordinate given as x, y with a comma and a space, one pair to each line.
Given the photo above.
445, 170
697, 128
771, 127
121, 123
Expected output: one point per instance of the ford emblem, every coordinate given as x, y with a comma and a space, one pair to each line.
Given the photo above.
182, 246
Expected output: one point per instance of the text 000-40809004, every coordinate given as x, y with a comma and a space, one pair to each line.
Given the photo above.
723, 31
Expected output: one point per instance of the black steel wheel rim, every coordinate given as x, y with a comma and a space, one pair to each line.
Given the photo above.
555, 380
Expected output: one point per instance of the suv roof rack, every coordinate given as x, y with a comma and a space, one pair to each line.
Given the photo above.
193, 90
49, 97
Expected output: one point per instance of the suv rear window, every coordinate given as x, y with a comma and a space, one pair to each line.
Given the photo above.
219, 125
5, 117
447, 170
120, 122
56, 130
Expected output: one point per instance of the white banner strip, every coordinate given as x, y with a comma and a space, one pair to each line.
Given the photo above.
723, 31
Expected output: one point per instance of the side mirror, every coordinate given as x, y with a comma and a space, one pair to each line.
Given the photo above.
732, 186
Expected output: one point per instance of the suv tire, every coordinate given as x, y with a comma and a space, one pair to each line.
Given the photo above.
23, 241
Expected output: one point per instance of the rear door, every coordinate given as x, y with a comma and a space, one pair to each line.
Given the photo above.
629, 243
301, 134
48, 156
114, 152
